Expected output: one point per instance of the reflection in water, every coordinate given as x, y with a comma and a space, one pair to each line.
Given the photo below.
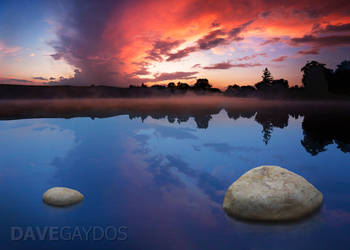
323, 124
165, 177
321, 130
269, 120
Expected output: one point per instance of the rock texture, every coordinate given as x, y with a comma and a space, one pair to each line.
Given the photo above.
271, 193
61, 196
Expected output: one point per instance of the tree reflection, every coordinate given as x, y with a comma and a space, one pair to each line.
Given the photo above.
269, 120
323, 124
321, 130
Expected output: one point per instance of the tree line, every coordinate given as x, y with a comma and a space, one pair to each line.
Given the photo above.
318, 82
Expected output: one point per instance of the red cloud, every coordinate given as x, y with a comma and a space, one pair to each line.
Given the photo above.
280, 59
252, 56
162, 48
173, 76
272, 40
313, 51
321, 41
181, 53
104, 38
228, 65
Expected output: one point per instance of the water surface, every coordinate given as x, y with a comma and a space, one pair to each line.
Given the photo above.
163, 174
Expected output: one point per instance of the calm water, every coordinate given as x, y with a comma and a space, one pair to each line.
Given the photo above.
164, 178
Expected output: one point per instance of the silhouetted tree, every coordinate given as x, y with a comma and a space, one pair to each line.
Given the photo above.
202, 84
232, 90
171, 85
269, 120
202, 120
158, 86
343, 66
214, 90
143, 85
229, 91
171, 118
240, 91
183, 86
314, 145
262, 86
271, 88
345, 147
279, 84
316, 78
232, 87
341, 80
247, 90
267, 131
321, 130
267, 77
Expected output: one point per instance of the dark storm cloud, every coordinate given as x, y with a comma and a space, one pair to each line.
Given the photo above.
80, 42
57, 56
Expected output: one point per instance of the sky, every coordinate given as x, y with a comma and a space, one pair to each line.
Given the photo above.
118, 43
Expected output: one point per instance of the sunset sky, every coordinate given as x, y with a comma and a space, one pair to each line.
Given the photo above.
155, 41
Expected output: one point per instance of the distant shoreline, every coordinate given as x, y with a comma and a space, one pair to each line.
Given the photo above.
33, 92
199, 107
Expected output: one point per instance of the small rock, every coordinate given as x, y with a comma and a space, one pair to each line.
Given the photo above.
61, 196
271, 193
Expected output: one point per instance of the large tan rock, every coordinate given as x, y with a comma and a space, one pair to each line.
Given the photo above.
61, 196
271, 193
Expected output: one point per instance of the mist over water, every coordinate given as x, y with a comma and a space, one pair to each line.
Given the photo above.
180, 105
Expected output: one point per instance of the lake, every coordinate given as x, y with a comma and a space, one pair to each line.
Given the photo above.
159, 172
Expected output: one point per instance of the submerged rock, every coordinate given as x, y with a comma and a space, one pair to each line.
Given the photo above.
271, 193
61, 196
